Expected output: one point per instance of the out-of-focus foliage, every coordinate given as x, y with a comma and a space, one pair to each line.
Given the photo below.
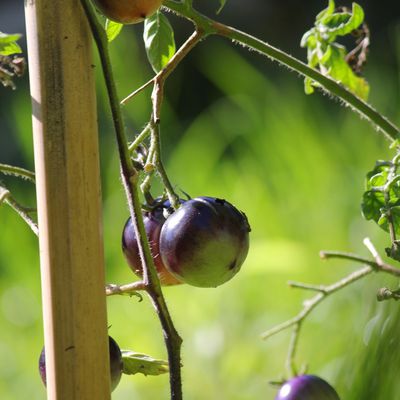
294, 164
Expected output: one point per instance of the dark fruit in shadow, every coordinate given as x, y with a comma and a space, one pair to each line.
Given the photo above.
153, 221
116, 365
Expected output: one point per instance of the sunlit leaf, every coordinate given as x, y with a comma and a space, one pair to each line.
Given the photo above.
340, 70
159, 40
326, 13
8, 44
137, 363
113, 29
344, 23
325, 54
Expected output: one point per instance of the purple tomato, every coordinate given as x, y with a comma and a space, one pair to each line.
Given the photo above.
307, 387
205, 242
153, 221
116, 365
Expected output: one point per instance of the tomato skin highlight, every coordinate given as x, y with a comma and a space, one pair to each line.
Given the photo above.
307, 387
205, 242
127, 11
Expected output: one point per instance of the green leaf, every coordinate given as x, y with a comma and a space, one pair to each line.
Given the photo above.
113, 29
329, 56
371, 206
137, 363
8, 45
381, 200
221, 5
159, 40
383, 221
326, 13
340, 70
341, 24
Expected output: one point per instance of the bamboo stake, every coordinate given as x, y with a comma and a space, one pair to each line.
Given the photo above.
68, 193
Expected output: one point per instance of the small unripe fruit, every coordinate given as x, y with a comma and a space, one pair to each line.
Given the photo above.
116, 365
128, 11
153, 221
205, 242
307, 387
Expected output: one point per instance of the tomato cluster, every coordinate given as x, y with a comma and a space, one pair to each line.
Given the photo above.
203, 243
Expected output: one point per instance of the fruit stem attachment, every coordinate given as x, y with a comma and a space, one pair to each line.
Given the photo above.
130, 181
127, 289
381, 123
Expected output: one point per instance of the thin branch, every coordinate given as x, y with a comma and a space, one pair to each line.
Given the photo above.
290, 359
23, 213
139, 138
137, 91
378, 266
310, 304
209, 26
172, 196
129, 288
18, 172
299, 285
195, 38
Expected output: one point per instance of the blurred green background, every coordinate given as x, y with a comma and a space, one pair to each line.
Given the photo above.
235, 126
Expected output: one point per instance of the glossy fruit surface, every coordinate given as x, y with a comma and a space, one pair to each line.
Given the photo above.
205, 242
153, 221
116, 365
307, 387
127, 11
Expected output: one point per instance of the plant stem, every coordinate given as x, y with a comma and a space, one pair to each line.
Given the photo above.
130, 180
290, 360
161, 76
139, 139
377, 266
17, 171
210, 26
129, 288
172, 196
310, 304
23, 213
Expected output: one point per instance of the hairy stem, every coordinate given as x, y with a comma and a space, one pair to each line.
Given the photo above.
129, 288
376, 265
130, 180
17, 171
23, 213
310, 304
182, 52
209, 26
